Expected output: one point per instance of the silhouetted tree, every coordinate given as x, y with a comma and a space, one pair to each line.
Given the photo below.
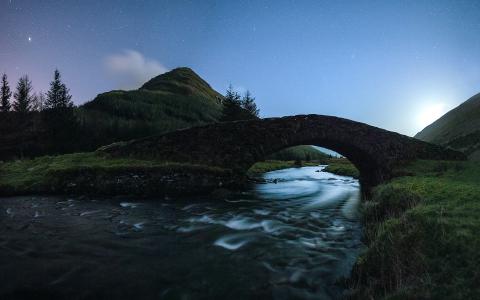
5, 95
59, 117
248, 103
233, 109
23, 97
58, 96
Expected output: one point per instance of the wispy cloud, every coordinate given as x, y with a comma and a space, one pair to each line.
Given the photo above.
131, 69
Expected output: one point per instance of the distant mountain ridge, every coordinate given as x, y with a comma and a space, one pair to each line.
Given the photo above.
458, 129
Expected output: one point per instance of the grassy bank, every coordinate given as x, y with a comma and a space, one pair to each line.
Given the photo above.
96, 173
272, 165
339, 166
50, 174
422, 235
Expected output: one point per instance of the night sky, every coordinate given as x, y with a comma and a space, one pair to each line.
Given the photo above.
392, 64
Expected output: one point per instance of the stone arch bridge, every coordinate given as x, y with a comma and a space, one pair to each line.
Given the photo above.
238, 145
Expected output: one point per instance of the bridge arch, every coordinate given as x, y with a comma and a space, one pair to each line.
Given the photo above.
238, 145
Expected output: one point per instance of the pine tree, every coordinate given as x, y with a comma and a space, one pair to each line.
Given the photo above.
58, 96
5, 95
248, 103
232, 109
23, 97
235, 108
59, 117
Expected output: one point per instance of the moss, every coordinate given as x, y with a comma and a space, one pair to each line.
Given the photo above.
422, 235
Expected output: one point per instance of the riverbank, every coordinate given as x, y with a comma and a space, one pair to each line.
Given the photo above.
291, 239
341, 166
421, 229
274, 165
92, 173
422, 235
338, 166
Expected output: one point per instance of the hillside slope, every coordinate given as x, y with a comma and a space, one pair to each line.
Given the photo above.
174, 100
458, 129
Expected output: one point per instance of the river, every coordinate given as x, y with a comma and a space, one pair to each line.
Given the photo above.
290, 238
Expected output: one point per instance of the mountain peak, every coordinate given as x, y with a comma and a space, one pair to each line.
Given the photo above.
181, 80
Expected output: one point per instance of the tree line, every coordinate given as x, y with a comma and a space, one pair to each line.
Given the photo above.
36, 123
25, 101
33, 124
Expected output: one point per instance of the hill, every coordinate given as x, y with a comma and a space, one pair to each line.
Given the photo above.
303, 153
458, 129
174, 100
183, 81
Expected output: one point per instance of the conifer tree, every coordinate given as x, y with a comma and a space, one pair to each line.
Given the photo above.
5, 95
23, 96
59, 117
232, 106
58, 96
248, 103
235, 108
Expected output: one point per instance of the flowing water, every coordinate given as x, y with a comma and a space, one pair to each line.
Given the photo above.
290, 238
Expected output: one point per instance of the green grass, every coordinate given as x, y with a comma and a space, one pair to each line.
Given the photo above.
303, 153
37, 175
182, 81
339, 166
342, 166
422, 233
272, 165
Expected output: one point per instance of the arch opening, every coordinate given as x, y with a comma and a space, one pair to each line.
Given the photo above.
306, 155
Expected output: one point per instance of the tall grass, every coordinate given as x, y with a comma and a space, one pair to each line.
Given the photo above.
422, 235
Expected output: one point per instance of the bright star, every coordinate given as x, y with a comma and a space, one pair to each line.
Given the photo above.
29, 38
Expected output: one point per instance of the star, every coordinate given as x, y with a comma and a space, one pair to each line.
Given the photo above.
29, 39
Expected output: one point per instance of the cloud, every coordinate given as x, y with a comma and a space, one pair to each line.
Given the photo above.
131, 69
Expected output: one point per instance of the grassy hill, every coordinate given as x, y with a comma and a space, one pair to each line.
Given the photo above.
174, 100
183, 81
303, 153
458, 129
